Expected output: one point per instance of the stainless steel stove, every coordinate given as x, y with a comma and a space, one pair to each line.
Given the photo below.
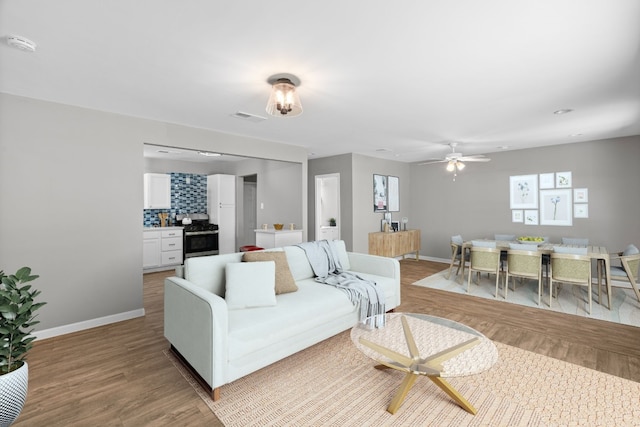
200, 237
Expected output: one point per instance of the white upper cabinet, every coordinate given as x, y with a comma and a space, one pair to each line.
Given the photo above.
157, 191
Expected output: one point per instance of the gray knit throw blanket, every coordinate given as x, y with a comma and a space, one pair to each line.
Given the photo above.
326, 265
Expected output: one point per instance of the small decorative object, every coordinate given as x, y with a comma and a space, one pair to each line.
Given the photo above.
278, 226
332, 222
395, 225
17, 307
292, 226
405, 220
531, 240
264, 226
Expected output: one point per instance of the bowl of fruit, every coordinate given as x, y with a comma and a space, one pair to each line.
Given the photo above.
531, 240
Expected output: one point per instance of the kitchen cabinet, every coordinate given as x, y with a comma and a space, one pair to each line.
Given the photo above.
272, 238
157, 191
221, 207
395, 244
162, 248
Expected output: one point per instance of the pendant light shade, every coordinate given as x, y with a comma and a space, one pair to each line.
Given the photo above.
284, 100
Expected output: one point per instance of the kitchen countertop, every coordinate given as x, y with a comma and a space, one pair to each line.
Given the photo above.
273, 230
177, 227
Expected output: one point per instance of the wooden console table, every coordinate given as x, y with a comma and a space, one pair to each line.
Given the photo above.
395, 244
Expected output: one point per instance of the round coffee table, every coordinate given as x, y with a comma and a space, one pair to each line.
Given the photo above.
419, 344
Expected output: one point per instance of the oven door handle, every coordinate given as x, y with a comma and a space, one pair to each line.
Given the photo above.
200, 233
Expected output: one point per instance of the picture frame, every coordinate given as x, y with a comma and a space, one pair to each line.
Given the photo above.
395, 225
581, 210
523, 192
393, 196
547, 180
556, 207
580, 195
531, 217
517, 215
563, 180
379, 193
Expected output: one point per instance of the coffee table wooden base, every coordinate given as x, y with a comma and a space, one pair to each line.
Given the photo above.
414, 365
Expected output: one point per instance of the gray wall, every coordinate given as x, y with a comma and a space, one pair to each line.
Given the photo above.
356, 194
341, 164
477, 203
71, 201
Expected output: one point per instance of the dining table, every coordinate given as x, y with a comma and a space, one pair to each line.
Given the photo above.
598, 254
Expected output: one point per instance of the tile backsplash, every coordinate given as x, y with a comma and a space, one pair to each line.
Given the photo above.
188, 195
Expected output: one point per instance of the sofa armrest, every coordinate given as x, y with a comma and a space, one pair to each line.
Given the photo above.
374, 264
196, 324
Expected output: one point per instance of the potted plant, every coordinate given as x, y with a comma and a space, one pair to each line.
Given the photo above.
332, 222
17, 308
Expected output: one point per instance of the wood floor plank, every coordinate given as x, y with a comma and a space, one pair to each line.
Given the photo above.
117, 375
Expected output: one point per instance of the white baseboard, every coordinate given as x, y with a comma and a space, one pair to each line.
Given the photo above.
87, 324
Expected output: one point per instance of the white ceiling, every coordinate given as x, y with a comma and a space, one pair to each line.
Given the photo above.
395, 80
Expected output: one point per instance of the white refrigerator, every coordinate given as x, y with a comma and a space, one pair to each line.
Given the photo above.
221, 207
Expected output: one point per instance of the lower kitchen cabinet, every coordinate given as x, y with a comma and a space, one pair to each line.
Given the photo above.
162, 248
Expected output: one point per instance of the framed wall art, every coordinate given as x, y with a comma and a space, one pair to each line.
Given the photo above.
580, 195
563, 179
523, 191
531, 217
379, 193
555, 207
547, 180
516, 215
393, 199
581, 210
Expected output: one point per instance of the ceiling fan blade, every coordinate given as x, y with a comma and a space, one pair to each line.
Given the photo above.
478, 158
431, 161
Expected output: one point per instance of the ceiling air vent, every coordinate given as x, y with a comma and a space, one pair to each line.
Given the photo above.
249, 117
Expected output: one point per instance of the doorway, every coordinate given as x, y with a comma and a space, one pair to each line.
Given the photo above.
327, 206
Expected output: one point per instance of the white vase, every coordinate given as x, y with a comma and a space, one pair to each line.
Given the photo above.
13, 393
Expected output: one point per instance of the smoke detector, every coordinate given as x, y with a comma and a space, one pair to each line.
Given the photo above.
21, 43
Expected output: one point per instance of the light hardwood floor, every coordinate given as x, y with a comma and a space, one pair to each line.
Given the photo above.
117, 375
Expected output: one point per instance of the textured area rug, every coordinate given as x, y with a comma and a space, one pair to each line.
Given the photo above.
333, 384
625, 307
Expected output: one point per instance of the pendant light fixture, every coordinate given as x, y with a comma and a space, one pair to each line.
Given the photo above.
284, 100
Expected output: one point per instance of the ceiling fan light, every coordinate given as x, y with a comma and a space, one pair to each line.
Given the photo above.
451, 166
459, 165
284, 100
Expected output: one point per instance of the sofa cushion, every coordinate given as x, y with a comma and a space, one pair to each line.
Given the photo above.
298, 263
250, 285
284, 279
630, 250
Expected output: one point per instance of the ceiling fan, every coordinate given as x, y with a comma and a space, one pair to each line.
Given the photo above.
455, 161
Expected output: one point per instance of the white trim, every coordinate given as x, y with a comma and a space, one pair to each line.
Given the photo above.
87, 324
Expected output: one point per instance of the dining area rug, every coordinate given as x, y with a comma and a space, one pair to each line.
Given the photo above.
333, 384
625, 307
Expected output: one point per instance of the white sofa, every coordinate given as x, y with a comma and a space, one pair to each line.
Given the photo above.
223, 344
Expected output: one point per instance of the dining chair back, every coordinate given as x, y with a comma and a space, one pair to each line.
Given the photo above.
505, 237
484, 260
575, 241
570, 268
628, 269
526, 264
456, 254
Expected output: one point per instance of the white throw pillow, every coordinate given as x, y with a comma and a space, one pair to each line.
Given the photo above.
250, 284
